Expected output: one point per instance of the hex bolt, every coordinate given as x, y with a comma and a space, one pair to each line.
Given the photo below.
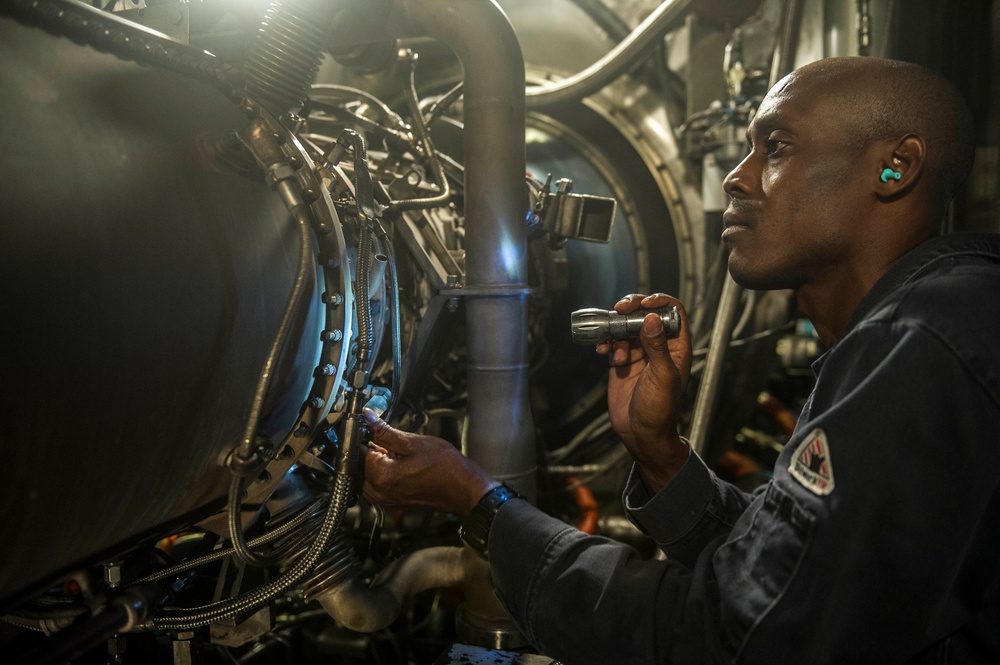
328, 369
331, 336
317, 402
335, 299
113, 573
279, 138
295, 162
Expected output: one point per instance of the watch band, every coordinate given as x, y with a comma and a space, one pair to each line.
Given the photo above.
475, 529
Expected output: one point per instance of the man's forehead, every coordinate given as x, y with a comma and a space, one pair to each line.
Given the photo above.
793, 101
770, 115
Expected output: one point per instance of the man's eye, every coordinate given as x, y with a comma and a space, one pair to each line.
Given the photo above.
772, 146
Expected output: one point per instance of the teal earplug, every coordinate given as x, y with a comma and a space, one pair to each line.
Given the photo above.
889, 173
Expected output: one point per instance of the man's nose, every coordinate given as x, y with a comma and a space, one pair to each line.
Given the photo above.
739, 183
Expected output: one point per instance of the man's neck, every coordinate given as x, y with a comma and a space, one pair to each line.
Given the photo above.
830, 306
831, 303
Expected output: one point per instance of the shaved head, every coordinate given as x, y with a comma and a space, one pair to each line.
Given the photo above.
888, 99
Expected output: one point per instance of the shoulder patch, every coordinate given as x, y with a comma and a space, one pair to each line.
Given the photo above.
811, 464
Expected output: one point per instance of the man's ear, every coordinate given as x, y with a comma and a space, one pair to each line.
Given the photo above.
901, 167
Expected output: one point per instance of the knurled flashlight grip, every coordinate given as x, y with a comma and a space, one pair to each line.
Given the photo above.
593, 325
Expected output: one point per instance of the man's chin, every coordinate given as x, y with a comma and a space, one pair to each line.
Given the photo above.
755, 278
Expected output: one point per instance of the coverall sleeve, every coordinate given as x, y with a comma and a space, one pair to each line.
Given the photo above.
692, 510
898, 554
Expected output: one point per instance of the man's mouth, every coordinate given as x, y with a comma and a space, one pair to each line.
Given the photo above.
734, 221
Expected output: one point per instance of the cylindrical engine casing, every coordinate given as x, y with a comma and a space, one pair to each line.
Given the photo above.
142, 284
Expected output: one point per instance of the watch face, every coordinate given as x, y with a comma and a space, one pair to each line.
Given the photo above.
475, 531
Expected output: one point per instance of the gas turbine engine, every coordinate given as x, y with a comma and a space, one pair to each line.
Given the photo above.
206, 274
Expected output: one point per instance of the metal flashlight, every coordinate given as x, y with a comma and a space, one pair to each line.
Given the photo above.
593, 325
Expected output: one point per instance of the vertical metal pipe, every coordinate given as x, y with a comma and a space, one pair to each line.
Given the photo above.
708, 392
500, 430
500, 433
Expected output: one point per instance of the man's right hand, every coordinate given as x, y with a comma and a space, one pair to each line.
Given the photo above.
404, 469
645, 385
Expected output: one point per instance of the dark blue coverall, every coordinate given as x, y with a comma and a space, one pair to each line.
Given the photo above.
877, 541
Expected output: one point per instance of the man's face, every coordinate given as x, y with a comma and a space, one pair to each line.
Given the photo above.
799, 198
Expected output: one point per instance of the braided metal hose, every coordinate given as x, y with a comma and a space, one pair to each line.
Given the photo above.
308, 515
190, 619
365, 199
339, 564
111, 34
366, 254
287, 54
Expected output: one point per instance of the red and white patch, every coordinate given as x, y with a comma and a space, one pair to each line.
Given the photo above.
811, 464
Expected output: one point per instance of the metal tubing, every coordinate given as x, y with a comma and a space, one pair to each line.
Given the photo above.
783, 58
618, 60
501, 434
708, 392
500, 431
367, 609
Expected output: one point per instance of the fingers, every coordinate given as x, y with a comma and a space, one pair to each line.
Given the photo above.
629, 303
634, 301
654, 340
623, 352
384, 436
671, 353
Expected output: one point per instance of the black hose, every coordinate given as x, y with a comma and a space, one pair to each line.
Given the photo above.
266, 537
202, 616
111, 34
284, 59
245, 451
443, 103
241, 550
301, 214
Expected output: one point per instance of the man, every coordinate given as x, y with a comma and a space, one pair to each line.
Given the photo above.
878, 538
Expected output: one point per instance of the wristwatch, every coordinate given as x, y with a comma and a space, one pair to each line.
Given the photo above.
475, 529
